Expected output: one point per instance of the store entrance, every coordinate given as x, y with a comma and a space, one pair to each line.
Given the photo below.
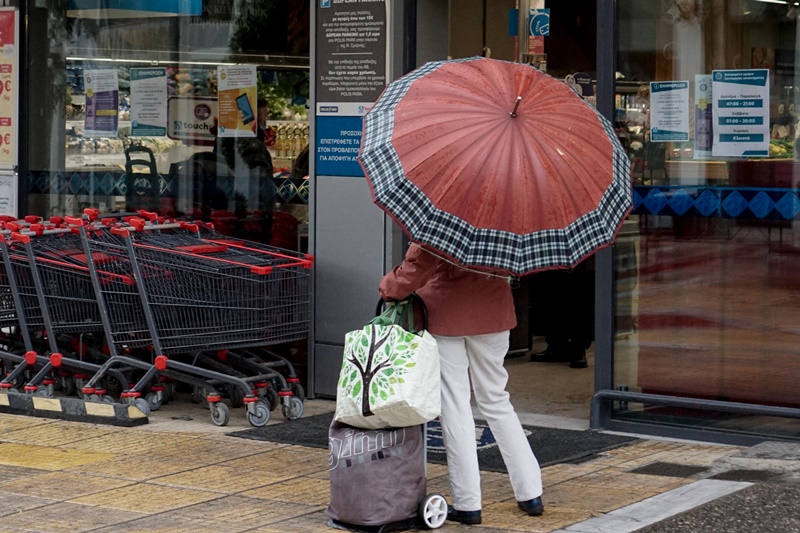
551, 306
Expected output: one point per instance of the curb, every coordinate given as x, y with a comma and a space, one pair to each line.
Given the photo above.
74, 409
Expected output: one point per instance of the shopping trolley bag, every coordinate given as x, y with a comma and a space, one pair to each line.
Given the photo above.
377, 477
390, 372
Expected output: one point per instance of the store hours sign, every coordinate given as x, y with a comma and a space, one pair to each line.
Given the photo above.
351, 74
740, 112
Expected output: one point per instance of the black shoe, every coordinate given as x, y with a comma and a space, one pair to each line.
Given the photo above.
551, 355
580, 361
463, 517
533, 507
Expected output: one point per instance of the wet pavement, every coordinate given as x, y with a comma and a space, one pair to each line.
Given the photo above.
180, 473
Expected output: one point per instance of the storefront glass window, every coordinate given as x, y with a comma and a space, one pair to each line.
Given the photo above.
191, 109
707, 277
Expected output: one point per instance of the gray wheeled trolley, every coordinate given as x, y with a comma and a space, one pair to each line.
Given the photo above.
379, 477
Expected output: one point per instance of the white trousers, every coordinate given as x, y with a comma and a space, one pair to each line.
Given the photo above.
478, 359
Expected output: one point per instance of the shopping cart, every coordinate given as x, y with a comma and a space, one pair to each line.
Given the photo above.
195, 299
54, 300
291, 312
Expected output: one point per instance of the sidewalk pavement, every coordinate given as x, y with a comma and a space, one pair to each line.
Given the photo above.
182, 474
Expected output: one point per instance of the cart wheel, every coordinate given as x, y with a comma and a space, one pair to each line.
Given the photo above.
141, 404
153, 401
236, 396
299, 391
272, 398
68, 386
294, 410
78, 387
260, 415
169, 391
200, 395
220, 414
107, 399
433, 511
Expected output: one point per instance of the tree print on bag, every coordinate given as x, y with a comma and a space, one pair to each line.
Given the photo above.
376, 358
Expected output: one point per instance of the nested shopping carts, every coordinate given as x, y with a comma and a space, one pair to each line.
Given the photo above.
148, 304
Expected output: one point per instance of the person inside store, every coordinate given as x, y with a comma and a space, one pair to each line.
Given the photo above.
470, 314
562, 310
249, 157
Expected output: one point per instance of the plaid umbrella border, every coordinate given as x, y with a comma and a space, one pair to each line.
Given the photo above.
478, 247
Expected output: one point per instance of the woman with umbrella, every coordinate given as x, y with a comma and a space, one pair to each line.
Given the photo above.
470, 314
494, 170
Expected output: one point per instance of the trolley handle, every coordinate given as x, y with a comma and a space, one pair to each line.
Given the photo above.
306, 261
102, 274
259, 270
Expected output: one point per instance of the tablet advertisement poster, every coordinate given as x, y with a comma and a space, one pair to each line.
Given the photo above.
237, 101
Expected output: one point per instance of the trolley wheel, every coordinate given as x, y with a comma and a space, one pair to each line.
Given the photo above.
236, 396
272, 398
153, 401
68, 385
220, 413
200, 395
433, 511
78, 387
294, 410
142, 405
299, 391
260, 415
107, 399
169, 391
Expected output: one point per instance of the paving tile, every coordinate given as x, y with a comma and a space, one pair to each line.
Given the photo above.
241, 511
132, 442
207, 450
506, 516
147, 498
15, 422
46, 458
15, 503
284, 463
52, 434
70, 517
61, 485
316, 522
135, 467
224, 479
553, 475
9, 472
574, 495
306, 490
615, 479
166, 523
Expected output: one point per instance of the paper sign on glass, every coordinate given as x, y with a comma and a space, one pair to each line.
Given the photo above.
237, 101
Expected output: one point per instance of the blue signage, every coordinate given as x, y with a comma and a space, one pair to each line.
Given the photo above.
540, 22
177, 7
338, 141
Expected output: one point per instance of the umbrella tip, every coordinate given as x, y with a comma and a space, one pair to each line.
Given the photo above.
516, 105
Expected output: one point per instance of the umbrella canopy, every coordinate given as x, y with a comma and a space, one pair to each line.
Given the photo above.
496, 165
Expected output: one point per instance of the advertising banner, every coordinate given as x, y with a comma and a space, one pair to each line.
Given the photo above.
102, 103
148, 102
190, 119
741, 113
237, 93
9, 85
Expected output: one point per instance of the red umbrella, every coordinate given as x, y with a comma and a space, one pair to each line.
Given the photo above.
496, 165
